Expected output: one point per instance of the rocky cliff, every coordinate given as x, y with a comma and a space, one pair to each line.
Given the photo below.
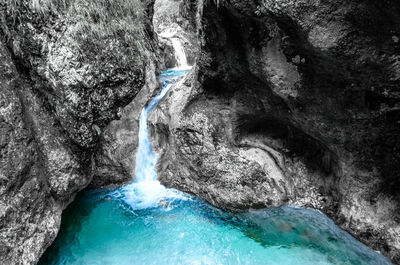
173, 20
116, 156
67, 69
291, 102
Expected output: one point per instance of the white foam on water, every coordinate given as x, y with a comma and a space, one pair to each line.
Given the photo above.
146, 191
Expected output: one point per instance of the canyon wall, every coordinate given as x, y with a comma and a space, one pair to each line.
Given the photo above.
116, 156
291, 103
172, 20
67, 68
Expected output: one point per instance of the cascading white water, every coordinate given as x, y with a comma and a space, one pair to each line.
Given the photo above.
146, 191
180, 54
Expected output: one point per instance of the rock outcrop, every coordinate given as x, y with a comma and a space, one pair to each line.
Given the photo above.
116, 156
66, 69
291, 102
174, 19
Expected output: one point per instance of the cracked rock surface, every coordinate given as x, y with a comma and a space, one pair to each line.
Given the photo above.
63, 77
291, 103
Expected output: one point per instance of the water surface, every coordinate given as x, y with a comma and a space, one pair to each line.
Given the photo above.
102, 228
147, 223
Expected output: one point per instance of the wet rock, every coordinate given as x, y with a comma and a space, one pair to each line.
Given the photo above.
291, 102
63, 77
116, 157
172, 19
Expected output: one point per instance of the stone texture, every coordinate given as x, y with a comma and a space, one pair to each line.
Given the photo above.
174, 19
116, 156
29, 214
292, 102
200, 144
62, 80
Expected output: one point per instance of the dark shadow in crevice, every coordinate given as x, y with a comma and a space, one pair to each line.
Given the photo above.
291, 141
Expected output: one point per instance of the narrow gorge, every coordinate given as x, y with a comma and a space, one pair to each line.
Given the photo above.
199, 132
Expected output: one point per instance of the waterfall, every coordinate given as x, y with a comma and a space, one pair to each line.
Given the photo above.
146, 191
180, 54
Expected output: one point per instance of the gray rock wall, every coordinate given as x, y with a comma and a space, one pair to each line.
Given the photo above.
175, 19
66, 70
292, 102
116, 157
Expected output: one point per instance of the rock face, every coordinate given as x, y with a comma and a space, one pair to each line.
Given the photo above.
174, 19
116, 156
66, 69
292, 102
